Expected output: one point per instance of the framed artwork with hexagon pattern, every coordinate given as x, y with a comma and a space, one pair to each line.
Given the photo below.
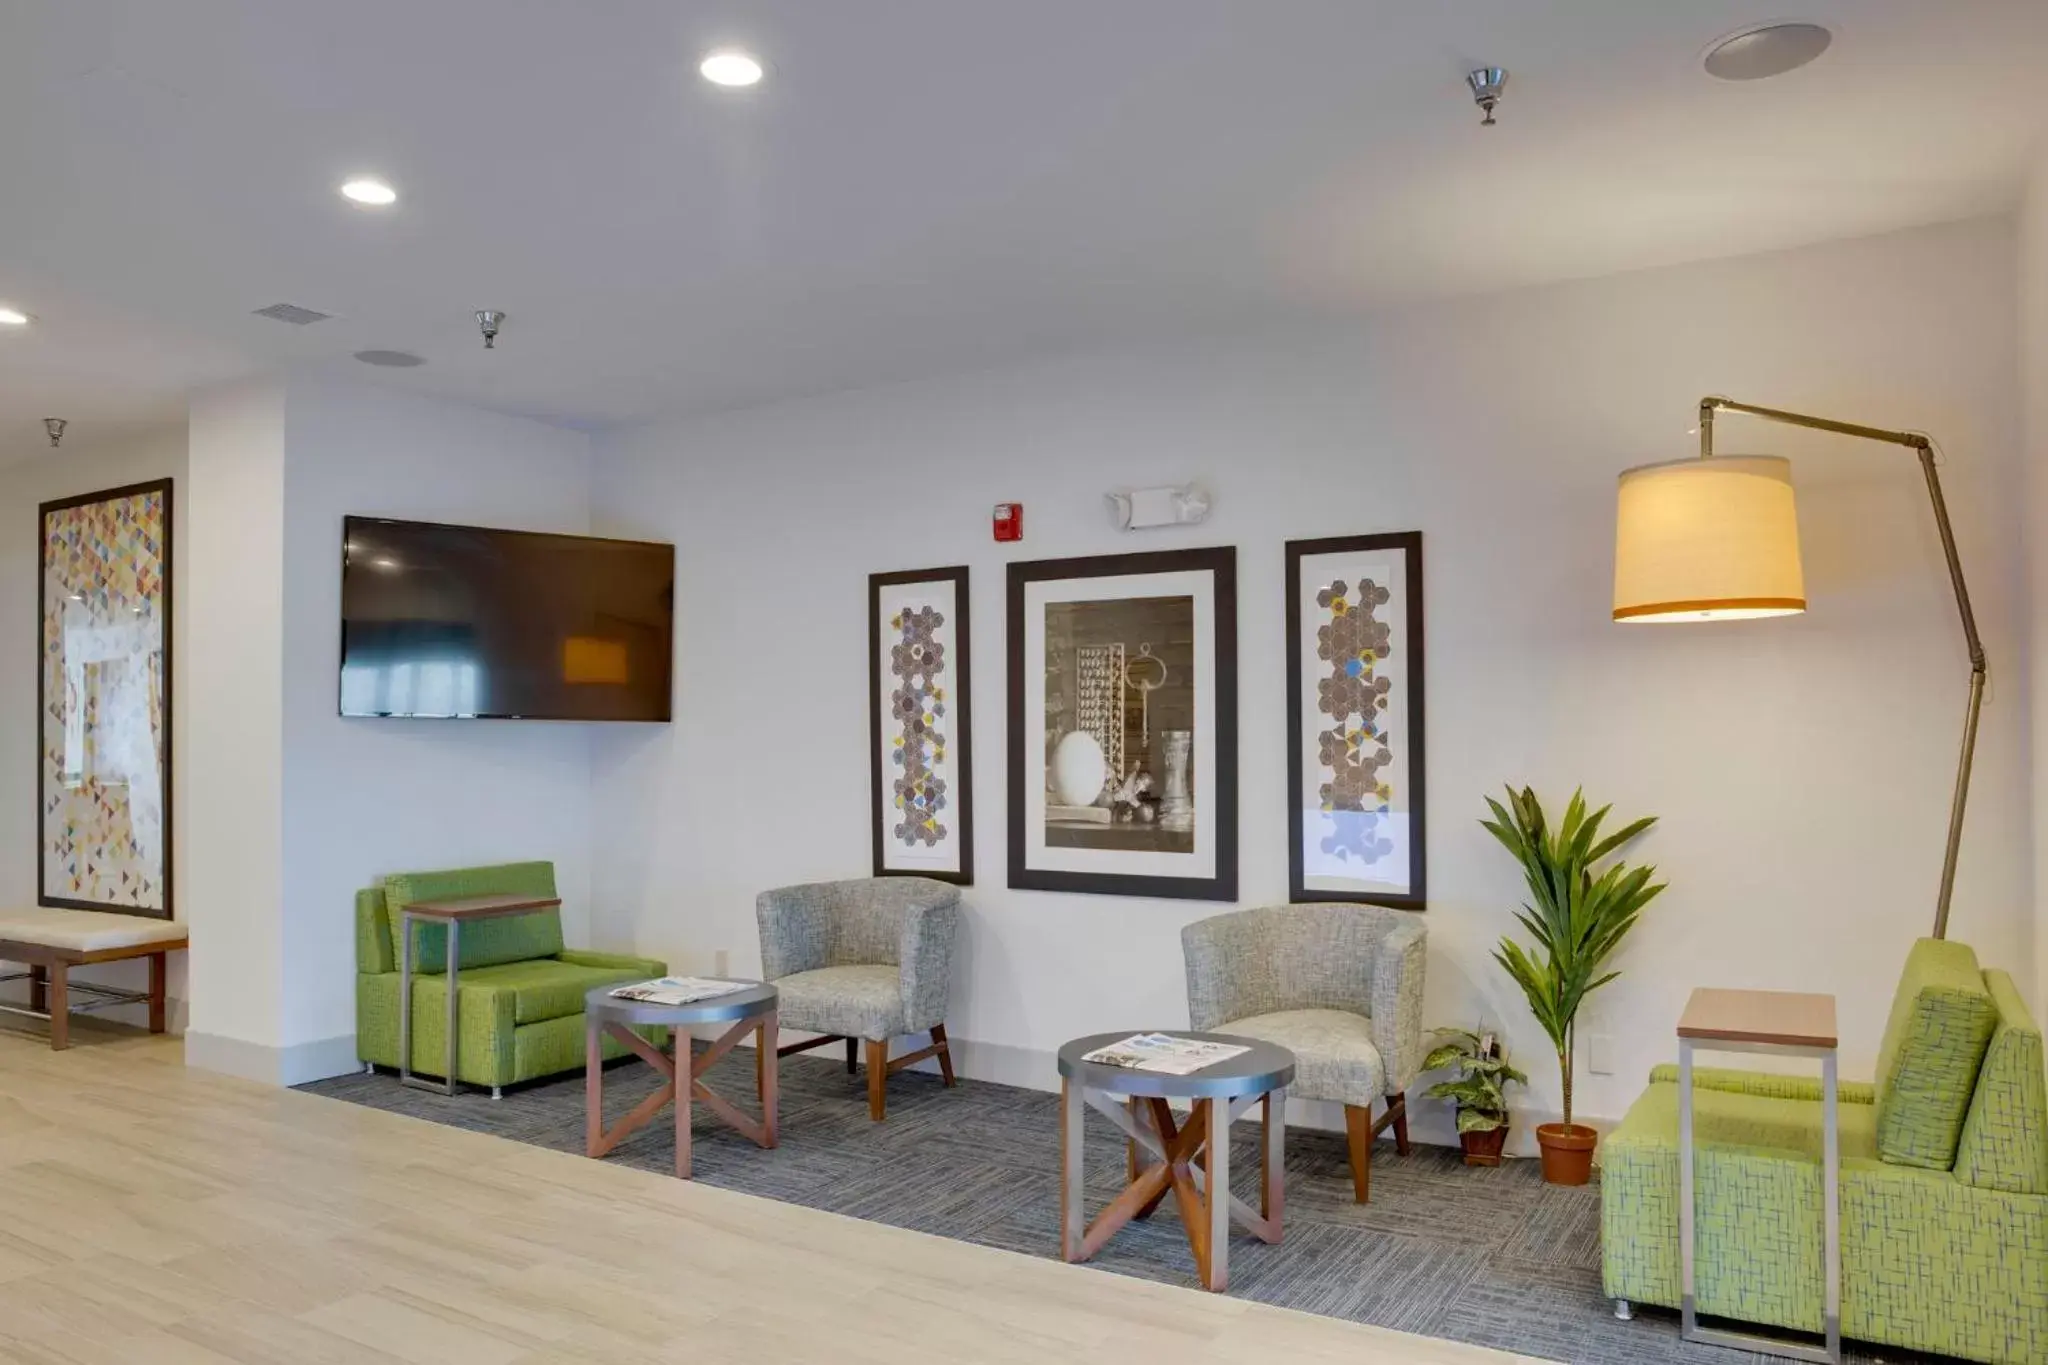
921, 758
103, 702
1354, 720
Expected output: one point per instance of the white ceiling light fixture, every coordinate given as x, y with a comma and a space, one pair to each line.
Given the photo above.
12, 317
1768, 50
369, 191
731, 68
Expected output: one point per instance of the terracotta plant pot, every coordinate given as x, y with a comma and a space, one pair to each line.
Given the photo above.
1483, 1148
1567, 1152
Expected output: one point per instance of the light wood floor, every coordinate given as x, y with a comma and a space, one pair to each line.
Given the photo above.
153, 1214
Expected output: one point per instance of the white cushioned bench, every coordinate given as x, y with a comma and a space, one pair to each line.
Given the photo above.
50, 942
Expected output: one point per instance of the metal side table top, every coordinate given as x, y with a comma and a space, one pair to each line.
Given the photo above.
1788, 1024
454, 913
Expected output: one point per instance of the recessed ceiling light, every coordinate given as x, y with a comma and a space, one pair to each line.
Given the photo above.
12, 317
369, 191
1772, 50
731, 67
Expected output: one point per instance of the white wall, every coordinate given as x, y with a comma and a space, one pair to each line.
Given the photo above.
2033, 371
297, 807
364, 798
80, 466
1801, 766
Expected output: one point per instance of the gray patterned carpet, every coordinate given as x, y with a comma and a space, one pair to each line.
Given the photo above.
1492, 1257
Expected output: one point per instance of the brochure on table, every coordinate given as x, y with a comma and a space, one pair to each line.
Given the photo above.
678, 990
1164, 1053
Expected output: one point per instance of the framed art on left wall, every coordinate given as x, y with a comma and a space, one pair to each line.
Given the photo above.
103, 702
920, 757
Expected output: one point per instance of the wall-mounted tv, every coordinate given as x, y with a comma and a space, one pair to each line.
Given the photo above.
463, 622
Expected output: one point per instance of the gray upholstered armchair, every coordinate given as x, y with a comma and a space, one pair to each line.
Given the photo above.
863, 960
1340, 986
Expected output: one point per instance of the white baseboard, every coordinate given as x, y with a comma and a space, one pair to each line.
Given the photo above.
295, 1065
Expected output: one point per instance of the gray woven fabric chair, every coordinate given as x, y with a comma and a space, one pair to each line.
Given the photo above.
866, 961
1340, 986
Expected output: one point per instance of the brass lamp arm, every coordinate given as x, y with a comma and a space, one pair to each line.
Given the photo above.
1913, 441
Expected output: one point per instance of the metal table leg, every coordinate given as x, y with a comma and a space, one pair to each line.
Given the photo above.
1829, 1353
448, 1084
1073, 1220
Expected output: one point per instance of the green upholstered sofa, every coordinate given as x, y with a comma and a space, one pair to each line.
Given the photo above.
519, 993
1944, 1193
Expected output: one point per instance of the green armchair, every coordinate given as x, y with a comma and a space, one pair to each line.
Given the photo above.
1944, 1185
519, 995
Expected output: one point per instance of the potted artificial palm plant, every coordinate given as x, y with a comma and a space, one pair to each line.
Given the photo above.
1479, 1089
1578, 916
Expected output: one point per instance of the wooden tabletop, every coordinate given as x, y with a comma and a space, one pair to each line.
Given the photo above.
482, 907
1787, 1018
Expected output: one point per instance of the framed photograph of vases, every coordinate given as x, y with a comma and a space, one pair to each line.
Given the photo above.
103, 702
921, 754
1123, 724
1355, 720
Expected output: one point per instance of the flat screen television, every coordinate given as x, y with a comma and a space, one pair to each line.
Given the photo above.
463, 622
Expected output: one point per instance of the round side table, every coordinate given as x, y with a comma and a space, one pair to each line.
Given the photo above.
1191, 1160
752, 1010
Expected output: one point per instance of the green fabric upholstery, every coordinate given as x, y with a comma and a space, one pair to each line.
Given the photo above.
1941, 1021
2005, 1137
520, 1017
1768, 1084
373, 932
485, 943
1953, 1262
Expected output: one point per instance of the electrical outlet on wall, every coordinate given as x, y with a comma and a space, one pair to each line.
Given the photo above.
720, 961
1600, 1053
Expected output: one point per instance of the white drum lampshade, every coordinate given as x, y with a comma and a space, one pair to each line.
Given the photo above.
1713, 539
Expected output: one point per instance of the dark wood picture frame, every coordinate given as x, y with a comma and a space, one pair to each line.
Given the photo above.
1221, 561
960, 745
43, 895
1410, 544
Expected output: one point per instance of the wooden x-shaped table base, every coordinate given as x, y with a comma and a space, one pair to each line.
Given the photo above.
1190, 1161
598, 1140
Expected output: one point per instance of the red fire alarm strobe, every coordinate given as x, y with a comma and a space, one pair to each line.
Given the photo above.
1009, 521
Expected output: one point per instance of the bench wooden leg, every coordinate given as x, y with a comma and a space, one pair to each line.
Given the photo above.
60, 1007
158, 974
39, 988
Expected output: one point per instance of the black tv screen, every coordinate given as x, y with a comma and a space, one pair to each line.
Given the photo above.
465, 622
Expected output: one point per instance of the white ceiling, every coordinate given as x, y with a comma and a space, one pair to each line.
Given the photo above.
920, 185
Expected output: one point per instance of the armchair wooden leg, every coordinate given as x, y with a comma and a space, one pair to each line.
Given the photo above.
1358, 1142
945, 1052
1397, 1110
852, 1054
878, 1076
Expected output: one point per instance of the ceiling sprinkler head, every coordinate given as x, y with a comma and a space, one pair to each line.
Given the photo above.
55, 426
1487, 83
488, 320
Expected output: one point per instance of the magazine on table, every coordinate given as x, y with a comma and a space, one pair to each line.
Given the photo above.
677, 990
1164, 1053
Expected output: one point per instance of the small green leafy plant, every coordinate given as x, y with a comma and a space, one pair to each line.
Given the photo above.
1578, 915
1480, 1087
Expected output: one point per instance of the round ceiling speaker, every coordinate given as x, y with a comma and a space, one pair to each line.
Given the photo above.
390, 360
1759, 53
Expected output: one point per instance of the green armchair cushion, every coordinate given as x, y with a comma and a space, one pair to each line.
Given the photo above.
1941, 1021
2005, 1138
485, 943
1769, 1085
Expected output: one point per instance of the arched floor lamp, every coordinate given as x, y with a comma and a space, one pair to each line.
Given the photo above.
1716, 539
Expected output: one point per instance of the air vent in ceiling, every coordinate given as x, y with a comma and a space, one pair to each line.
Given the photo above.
391, 360
292, 313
